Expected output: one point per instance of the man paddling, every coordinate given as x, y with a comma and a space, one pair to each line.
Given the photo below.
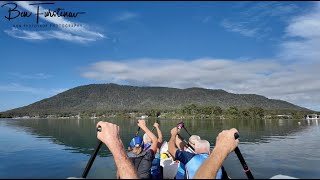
156, 172
142, 160
191, 161
225, 144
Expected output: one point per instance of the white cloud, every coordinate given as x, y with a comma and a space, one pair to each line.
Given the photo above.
239, 27
307, 28
16, 87
81, 34
124, 16
206, 19
31, 76
42, 35
255, 21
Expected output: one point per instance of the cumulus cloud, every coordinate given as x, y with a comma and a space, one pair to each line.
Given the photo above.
80, 34
307, 29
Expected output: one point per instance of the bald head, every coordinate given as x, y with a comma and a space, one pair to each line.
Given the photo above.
193, 139
202, 146
146, 138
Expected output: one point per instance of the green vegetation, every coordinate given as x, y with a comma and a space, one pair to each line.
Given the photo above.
196, 111
110, 100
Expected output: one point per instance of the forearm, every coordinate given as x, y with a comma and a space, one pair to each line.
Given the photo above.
125, 168
159, 135
150, 134
171, 147
209, 169
180, 144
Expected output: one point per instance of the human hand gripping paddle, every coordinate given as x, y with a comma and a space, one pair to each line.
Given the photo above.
180, 125
158, 114
139, 127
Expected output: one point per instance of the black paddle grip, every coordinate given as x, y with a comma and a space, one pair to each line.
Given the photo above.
236, 135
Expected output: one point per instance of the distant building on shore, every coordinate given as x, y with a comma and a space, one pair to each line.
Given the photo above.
311, 117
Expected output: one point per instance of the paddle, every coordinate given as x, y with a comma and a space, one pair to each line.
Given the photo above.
139, 128
179, 126
242, 161
93, 156
158, 114
138, 131
187, 143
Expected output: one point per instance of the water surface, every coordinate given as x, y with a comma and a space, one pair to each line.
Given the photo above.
61, 148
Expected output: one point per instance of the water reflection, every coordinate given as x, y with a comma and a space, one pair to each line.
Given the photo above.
80, 134
270, 147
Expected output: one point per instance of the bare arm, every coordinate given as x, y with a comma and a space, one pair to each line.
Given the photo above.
124, 165
171, 147
156, 125
110, 136
180, 144
154, 145
225, 144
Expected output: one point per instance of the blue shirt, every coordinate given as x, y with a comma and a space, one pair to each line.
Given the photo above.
184, 156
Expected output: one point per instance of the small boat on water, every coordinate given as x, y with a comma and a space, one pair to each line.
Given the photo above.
311, 117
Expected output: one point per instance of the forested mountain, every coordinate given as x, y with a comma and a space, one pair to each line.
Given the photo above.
113, 97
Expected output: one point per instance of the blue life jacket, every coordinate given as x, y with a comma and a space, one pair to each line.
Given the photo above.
193, 165
155, 168
181, 173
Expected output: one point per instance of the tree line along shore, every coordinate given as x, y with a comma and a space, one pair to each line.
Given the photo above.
192, 111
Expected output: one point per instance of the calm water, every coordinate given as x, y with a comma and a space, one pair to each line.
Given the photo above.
61, 148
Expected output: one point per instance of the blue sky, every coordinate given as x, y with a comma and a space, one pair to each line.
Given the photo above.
266, 48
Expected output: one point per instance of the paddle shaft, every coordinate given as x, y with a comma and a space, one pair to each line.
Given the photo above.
156, 121
92, 158
138, 131
186, 131
187, 143
242, 161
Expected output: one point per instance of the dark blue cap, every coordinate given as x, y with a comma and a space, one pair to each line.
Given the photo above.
136, 140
